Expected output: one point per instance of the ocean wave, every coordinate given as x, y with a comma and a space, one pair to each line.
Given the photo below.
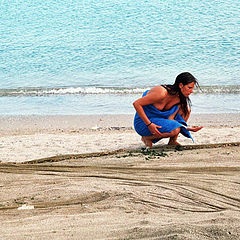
69, 91
233, 89
227, 89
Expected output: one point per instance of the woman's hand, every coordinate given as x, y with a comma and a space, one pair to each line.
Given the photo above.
194, 129
153, 128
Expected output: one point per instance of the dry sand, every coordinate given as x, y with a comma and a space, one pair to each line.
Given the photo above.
24, 138
93, 190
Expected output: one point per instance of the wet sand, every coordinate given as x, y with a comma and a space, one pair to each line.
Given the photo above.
189, 194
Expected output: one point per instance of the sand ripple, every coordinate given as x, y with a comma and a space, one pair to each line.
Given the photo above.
189, 194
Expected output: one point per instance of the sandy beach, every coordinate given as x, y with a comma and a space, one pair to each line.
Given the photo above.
25, 138
86, 177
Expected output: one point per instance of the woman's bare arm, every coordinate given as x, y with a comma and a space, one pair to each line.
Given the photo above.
156, 94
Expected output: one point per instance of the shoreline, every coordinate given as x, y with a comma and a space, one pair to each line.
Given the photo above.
27, 138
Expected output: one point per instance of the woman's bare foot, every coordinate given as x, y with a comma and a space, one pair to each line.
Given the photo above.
173, 142
194, 129
147, 142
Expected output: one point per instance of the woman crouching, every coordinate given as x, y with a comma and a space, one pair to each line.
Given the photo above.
162, 112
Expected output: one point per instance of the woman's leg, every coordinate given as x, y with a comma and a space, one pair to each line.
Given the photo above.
148, 140
173, 140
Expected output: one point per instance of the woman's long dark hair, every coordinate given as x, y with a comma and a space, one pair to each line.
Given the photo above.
184, 78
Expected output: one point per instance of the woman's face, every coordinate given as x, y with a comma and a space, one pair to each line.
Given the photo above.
187, 89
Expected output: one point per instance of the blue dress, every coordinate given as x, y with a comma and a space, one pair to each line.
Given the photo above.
160, 118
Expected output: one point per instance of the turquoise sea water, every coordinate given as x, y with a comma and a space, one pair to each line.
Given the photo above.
83, 57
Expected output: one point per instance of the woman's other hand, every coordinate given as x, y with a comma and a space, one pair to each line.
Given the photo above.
153, 128
194, 129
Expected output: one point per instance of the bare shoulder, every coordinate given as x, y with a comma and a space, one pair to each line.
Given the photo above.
155, 95
160, 91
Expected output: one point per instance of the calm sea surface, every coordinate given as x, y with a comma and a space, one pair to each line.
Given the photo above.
94, 57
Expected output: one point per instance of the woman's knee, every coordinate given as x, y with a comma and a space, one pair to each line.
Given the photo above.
175, 132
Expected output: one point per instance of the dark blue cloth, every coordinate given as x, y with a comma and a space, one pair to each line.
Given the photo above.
160, 118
